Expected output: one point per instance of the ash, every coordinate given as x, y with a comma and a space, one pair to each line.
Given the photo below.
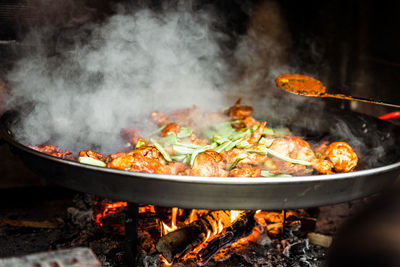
72, 218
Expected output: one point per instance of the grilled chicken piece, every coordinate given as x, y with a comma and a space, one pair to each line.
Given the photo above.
245, 170
342, 155
256, 135
130, 135
292, 147
159, 118
323, 166
246, 157
177, 168
144, 159
51, 150
209, 163
92, 154
194, 140
170, 128
250, 122
239, 112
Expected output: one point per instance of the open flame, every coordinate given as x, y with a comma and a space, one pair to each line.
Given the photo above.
109, 209
165, 229
217, 227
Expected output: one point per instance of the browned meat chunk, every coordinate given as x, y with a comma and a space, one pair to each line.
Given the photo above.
342, 155
209, 163
323, 166
170, 128
144, 159
130, 135
159, 118
51, 150
92, 154
245, 170
292, 147
246, 157
239, 112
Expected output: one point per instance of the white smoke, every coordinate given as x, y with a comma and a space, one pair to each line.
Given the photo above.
103, 81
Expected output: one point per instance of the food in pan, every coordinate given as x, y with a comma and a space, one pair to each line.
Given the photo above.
221, 144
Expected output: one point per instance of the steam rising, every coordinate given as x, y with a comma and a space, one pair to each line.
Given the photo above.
109, 76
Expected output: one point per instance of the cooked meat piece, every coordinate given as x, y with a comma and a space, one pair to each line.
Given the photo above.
138, 163
323, 166
92, 154
51, 150
321, 148
247, 157
292, 147
176, 168
239, 112
130, 135
170, 128
194, 140
342, 155
144, 159
256, 135
250, 122
159, 118
149, 152
115, 155
209, 163
245, 170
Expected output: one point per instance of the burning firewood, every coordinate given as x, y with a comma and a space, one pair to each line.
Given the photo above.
241, 227
183, 240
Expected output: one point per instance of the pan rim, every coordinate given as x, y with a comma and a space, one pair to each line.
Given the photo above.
206, 179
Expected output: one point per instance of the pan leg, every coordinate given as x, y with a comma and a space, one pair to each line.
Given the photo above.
131, 223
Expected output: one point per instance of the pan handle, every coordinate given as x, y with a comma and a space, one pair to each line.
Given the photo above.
391, 115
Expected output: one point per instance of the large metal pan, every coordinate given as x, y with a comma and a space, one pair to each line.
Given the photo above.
238, 193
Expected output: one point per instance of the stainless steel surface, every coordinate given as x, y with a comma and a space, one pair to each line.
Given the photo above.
215, 192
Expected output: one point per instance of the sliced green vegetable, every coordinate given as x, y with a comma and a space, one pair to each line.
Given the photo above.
180, 158
182, 150
266, 141
91, 161
140, 143
166, 156
233, 165
282, 157
268, 131
184, 132
219, 139
265, 173
259, 148
239, 135
232, 145
169, 139
243, 144
200, 150
223, 147
156, 132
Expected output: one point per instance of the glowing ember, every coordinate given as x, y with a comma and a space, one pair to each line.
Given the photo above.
148, 208
164, 260
235, 214
109, 209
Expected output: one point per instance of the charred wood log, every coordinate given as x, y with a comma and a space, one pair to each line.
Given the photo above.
241, 227
183, 240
